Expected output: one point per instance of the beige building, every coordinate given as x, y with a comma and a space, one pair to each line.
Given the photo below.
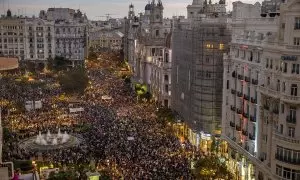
12, 36
260, 95
147, 48
106, 40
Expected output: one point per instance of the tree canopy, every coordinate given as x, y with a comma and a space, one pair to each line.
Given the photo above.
210, 167
165, 115
58, 63
74, 80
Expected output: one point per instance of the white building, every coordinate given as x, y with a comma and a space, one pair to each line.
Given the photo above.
260, 97
12, 36
71, 33
40, 39
37, 39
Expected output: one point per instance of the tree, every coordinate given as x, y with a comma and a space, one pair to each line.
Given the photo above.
92, 54
30, 66
165, 115
58, 63
62, 175
210, 167
74, 81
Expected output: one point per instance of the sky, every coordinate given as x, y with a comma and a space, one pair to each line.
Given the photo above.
94, 8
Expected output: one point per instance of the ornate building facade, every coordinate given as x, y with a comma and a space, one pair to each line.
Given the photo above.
57, 32
146, 47
261, 101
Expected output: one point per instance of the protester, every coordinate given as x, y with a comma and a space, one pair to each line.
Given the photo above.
123, 135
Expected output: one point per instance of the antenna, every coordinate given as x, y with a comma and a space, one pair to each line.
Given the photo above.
3, 7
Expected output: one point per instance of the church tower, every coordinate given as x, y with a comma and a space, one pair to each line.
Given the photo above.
131, 13
157, 12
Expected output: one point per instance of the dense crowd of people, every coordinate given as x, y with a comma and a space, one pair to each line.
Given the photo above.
123, 135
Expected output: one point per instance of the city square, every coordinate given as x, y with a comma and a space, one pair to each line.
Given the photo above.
137, 92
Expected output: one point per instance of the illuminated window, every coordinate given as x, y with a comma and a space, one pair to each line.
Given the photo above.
209, 46
221, 46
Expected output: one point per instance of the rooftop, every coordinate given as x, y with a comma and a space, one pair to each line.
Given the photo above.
8, 63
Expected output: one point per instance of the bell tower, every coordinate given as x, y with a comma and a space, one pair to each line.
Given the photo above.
157, 12
131, 13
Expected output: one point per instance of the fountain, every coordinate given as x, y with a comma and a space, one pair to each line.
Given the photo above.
50, 141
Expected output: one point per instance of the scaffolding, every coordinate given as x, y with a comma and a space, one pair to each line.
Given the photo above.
198, 48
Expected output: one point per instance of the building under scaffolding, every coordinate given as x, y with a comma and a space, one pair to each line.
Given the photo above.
198, 45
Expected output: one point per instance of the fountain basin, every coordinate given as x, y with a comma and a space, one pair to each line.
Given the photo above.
45, 142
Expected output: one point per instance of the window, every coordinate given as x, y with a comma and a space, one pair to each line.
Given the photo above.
278, 85
268, 80
295, 68
291, 132
267, 63
281, 128
297, 23
271, 63
166, 102
294, 90
157, 32
283, 86
297, 41
166, 78
282, 108
166, 88
279, 170
221, 46
293, 113
207, 59
285, 67
243, 54
227, 84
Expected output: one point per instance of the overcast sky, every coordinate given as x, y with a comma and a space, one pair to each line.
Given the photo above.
95, 8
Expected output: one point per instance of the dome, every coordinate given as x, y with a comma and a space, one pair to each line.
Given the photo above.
148, 7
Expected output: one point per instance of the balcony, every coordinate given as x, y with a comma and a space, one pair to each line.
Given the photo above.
269, 92
291, 120
290, 99
238, 128
287, 159
244, 132
232, 124
285, 139
246, 97
253, 100
234, 75
232, 108
240, 77
254, 82
233, 91
238, 111
251, 137
247, 79
239, 94
246, 115
252, 118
